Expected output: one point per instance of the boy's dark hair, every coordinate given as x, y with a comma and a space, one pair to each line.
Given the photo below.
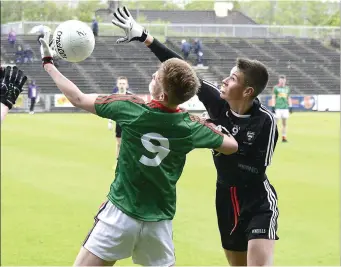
255, 74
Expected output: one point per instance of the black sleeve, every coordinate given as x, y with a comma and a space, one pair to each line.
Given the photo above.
162, 52
266, 142
209, 95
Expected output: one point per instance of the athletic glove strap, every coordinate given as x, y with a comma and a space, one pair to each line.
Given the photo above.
47, 60
142, 38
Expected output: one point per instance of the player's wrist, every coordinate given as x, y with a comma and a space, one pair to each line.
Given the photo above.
48, 60
7, 103
149, 40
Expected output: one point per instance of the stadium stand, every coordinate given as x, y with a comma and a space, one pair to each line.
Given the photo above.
182, 16
310, 67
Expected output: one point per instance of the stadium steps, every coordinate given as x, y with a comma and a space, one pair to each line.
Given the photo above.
311, 78
306, 73
310, 53
208, 75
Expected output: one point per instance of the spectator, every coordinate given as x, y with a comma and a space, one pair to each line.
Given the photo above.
28, 54
12, 38
19, 55
32, 94
185, 48
95, 27
198, 52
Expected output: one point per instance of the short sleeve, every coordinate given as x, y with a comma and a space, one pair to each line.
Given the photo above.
275, 90
120, 108
204, 135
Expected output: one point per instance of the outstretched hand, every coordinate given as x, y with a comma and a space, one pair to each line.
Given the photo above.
12, 83
133, 30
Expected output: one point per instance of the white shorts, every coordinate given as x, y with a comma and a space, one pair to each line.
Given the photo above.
117, 236
282, 113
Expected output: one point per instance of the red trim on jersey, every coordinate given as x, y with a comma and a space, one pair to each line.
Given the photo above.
156, 104
205, 123
115, 97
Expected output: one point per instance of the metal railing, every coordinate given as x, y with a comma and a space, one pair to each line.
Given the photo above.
197, 30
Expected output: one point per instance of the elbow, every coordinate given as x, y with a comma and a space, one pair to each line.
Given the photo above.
232, 148
229, 147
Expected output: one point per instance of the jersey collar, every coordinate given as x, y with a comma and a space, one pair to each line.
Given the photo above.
158, 105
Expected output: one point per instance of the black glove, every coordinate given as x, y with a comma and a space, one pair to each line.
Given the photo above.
11, 85
273, 109
290, 110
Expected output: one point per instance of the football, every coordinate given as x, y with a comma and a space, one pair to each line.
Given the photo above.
73, 41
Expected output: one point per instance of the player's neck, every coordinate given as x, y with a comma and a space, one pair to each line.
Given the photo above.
165, 104
240, 107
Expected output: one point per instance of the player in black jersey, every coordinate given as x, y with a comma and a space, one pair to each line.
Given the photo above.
121, 88
246, 202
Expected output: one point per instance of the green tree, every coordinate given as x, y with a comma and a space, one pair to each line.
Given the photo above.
200, 5
47, 11
85, 10
311, 13
151, 5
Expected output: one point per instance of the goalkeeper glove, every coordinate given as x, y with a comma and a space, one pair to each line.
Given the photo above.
11, 85
45, 50
290, 110
133, 30
273, 109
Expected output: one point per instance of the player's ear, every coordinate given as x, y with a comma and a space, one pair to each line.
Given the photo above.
249, 92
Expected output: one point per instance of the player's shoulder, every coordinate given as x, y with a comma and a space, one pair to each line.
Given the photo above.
202, 122
267, 116
106, 99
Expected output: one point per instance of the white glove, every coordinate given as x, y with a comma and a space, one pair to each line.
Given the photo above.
45, 51
132, 29
110, 125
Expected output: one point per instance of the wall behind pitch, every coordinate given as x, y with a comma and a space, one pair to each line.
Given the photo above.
328, 103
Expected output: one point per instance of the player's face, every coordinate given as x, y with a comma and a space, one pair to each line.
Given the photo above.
122, 84
233, 87
155, 88
282, 81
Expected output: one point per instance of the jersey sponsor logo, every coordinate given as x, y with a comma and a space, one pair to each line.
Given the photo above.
248, 168
258, 231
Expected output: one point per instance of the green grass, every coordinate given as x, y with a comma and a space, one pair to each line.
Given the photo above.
57, 169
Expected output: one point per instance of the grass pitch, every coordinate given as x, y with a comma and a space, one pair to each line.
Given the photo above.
56, 170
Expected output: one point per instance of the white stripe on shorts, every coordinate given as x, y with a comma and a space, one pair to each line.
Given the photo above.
273, 207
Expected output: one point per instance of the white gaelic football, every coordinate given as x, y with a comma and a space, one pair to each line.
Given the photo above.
73, 41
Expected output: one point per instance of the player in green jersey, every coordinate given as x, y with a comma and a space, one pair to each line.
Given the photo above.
137, 218
282, 105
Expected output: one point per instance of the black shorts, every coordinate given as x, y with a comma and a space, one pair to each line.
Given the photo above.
118, 131
246, 213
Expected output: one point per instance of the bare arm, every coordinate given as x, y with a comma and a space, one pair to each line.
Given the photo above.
71, 91
289, 101
229, 145
4, 111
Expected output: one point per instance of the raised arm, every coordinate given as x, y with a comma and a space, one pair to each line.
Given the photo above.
68, 88
208, 94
